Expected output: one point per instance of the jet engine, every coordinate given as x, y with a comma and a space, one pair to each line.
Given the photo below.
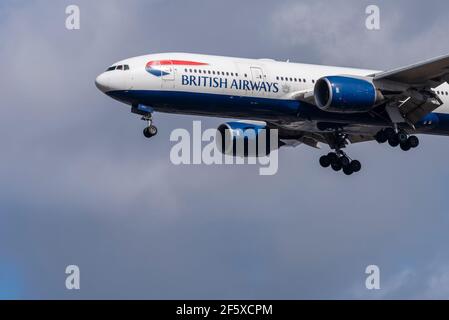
246, 139
344, 94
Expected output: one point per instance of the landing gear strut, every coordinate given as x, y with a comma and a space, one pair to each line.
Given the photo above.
397, 138
339, 160
150, 130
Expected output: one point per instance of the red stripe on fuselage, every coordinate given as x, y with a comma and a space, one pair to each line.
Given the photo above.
176, 63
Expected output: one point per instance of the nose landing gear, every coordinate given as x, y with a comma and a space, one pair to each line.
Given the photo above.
151, 130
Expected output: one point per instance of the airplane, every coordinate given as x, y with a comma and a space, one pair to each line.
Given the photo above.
307, 104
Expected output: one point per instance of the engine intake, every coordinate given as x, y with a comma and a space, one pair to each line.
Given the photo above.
346, 94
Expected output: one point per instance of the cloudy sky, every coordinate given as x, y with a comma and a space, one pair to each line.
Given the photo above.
80, 185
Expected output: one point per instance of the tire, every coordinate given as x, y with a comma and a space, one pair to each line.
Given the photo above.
150, 131
345, 161
405, 146
390, 133
402, 137
325, 162
347, 170
356, 166
146, 133
336, 166
153, 130
394, 141
413, 141
332, 157
381, 137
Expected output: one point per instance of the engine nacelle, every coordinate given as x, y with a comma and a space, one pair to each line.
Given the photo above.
346, 94
246, 139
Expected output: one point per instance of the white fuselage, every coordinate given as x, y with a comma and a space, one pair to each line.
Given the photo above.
226, 87
228, 76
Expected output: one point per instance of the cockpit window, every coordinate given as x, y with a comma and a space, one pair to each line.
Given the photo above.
120, 67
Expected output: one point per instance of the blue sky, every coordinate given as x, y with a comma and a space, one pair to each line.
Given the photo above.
80, 185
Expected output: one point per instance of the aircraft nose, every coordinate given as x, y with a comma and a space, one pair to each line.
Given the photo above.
102, 82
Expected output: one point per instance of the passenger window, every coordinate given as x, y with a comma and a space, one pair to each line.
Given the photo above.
227, 73
236, 74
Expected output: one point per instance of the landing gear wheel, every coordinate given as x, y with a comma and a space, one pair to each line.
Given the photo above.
150, 131
390, 133
333, 157
325, 162
402, 137
405, 146
348, 170
356, 166
345, 161
381, 137
413, 141
336, 166
393, 141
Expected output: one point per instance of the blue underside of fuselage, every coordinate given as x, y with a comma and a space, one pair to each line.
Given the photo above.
260, 108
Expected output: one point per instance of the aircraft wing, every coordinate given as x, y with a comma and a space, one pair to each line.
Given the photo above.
418, 100
430, 73
293, 138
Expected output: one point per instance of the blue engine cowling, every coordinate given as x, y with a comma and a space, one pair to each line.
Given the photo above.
242, 139
346, 94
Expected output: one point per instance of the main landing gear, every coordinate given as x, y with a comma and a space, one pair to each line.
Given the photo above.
397, 138
150, 130
339, 160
